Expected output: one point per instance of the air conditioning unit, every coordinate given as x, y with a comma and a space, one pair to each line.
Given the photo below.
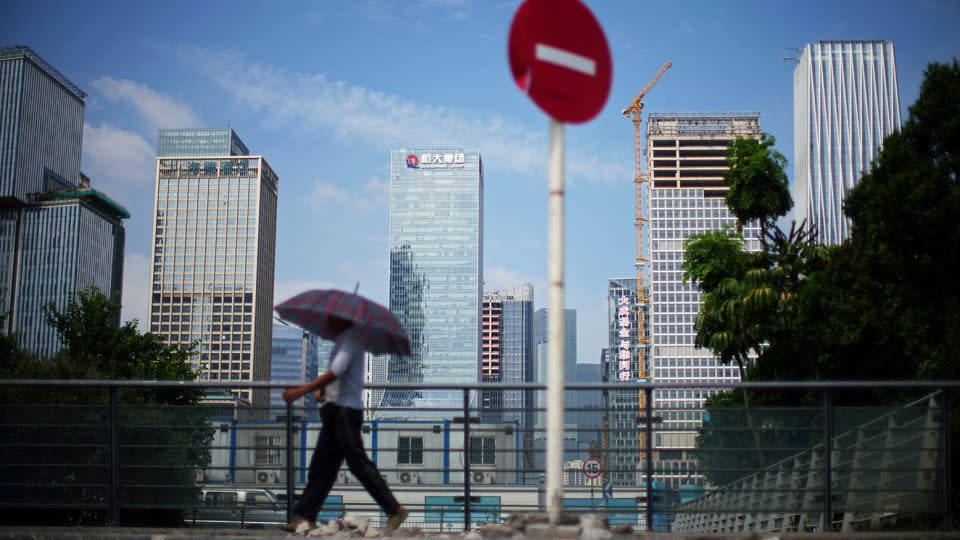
343, 477
266, 477
481, 477
408, 477
199, 476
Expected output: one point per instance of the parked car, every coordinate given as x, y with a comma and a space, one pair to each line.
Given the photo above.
238, 507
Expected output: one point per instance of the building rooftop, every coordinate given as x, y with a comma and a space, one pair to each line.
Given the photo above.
700, 124
88, 195
15, 51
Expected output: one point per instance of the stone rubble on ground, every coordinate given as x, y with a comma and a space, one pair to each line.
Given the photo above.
517, 526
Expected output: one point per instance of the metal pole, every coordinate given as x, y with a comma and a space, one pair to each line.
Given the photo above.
555, 337
648, 429
466, 460
113, 438
289, 450
828, 461
945, 425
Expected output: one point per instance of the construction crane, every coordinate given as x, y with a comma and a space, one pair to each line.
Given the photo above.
635, 110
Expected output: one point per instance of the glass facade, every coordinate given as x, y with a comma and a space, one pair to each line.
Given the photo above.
687, 156
56, 237
621, 365
294, 358
200, 142
845, 102
507, 355
436, 250
41, 125
569, 361
213, 262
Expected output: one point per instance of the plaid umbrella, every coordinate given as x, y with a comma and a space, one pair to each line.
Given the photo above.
312, 310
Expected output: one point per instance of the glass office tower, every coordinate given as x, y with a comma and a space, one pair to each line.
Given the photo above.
845, 102
294, 358
57, 234
686, 160
540, 331
213, 262
436, 276
621, 446
507, 355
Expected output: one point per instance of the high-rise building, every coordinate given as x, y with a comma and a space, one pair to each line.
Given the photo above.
622, 446
540, 333
57, 234
214, 235
845, 102
294, 358
436, 276
686, 159
588, 410
507, 355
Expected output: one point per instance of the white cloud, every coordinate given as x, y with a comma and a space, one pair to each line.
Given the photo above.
157, 110
373, 276
119, 162
371, 195
136, 283
285, 290
312, 101
496, 278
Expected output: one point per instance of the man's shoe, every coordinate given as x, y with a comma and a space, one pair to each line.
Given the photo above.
396, 520
299, 525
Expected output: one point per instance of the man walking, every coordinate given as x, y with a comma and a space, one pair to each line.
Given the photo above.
341, 390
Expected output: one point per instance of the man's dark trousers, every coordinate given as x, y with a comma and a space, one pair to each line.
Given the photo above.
340, 439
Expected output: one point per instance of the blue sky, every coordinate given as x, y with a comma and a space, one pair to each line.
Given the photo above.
324, 90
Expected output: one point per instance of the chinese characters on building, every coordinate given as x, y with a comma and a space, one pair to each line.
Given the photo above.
623, 318
442, 161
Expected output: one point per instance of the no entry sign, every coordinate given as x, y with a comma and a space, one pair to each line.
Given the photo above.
560, 58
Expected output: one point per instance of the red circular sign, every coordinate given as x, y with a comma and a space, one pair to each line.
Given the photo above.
592, 468
412, 160
560, 58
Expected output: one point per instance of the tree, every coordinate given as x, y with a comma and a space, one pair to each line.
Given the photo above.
164, 436
759, 189
744, 293
884, 304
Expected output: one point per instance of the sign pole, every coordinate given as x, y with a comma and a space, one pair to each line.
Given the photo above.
555, 337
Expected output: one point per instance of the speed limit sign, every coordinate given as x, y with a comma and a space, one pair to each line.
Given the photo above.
592, 468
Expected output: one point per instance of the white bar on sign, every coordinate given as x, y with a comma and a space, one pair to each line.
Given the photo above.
567, 59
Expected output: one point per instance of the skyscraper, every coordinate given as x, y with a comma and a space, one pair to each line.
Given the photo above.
214, 237
294, 357
57, 234
507, 355
622, 448
686, 159
436, 276
542, 363
845, 102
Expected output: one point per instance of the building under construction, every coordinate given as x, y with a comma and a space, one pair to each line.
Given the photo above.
686, 159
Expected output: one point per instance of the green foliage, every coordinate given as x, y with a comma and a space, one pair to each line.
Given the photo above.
748, 296
164, 434
884, 305
759, 189
713, 256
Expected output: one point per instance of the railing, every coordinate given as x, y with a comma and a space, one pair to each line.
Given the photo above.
93, 452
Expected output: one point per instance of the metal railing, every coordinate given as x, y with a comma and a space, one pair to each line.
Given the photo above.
92, 452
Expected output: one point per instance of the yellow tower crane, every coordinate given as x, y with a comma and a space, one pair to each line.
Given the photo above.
635, 110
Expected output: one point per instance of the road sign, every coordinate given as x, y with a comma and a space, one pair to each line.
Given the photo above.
594, 451
607, 490
559, 56
592, 468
